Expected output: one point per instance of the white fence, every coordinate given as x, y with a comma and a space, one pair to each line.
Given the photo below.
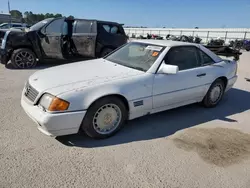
205, 34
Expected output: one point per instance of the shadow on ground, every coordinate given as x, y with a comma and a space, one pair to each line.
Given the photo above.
167, 123
49, 63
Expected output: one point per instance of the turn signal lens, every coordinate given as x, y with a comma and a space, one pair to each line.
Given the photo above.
58, 105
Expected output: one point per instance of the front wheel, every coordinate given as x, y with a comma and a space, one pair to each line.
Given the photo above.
104, 117
214, 94
23, 58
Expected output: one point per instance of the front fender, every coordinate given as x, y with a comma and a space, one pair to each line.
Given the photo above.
82, 98
131, 89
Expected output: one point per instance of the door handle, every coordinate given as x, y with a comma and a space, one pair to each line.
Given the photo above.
200, 75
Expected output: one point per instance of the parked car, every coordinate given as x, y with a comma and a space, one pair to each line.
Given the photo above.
61, 38
13, 25
140, 78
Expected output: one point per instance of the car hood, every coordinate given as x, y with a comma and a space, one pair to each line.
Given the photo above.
72, 76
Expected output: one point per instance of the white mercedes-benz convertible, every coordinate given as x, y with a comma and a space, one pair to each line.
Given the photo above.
140, 78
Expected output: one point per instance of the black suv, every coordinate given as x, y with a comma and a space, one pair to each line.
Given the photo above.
61, 38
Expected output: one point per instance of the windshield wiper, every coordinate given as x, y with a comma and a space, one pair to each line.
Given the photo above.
134, 67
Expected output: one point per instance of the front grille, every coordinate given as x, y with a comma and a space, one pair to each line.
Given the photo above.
30, 92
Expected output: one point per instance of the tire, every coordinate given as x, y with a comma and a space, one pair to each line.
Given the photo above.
23, 58
95, 117
106, 51
217, 86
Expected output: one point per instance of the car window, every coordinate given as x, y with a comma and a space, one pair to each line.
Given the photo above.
83, 26
106, 27
5, 26
140, 56
54, 27
16, 25
65, 28
40, 24
205, 59
114, 30
185, 57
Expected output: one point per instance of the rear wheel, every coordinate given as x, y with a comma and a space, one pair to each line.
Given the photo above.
23, 58
104, 117
214, 94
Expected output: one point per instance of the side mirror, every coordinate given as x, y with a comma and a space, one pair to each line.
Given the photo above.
168, 69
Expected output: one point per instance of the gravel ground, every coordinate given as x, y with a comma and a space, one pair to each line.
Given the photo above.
181, 148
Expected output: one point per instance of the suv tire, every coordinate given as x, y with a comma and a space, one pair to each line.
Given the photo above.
23, 58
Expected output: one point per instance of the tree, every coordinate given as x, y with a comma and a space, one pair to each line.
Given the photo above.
31, 18
16, 14
71, 17
58, 15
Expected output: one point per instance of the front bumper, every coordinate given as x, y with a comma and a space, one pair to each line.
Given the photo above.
3, 56
53, 124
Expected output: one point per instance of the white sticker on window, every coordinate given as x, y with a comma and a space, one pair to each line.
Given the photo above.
154, 48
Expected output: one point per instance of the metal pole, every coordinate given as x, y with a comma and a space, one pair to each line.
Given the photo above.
245, 35
193, 33
9, 12
226, 37
207, 36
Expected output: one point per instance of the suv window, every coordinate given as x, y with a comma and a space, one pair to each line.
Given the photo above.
106, 27
205, 59
83, 26
185, 57
114, 30
54, 27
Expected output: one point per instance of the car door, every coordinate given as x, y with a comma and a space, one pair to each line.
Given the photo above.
51, 39
187, 86
84, 37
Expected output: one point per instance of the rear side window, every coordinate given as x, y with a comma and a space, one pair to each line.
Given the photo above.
83, 26
185, 57
106, 27
113, 29
205, 59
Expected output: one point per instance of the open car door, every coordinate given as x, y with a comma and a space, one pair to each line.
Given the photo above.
50, 37
84, 37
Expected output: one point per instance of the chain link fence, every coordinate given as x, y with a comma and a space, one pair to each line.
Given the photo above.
205, 35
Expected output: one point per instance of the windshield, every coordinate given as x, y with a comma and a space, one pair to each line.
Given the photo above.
140, 56
4, 26
40, 24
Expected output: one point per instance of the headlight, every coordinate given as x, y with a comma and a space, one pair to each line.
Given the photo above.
53, 103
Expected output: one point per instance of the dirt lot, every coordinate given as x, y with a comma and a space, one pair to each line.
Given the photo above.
186, 147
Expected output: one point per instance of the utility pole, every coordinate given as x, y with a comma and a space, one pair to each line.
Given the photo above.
9, 11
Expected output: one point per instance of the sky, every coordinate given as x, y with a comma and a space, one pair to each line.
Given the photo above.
154, 13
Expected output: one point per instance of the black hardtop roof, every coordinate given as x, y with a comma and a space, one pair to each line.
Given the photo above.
98, 21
